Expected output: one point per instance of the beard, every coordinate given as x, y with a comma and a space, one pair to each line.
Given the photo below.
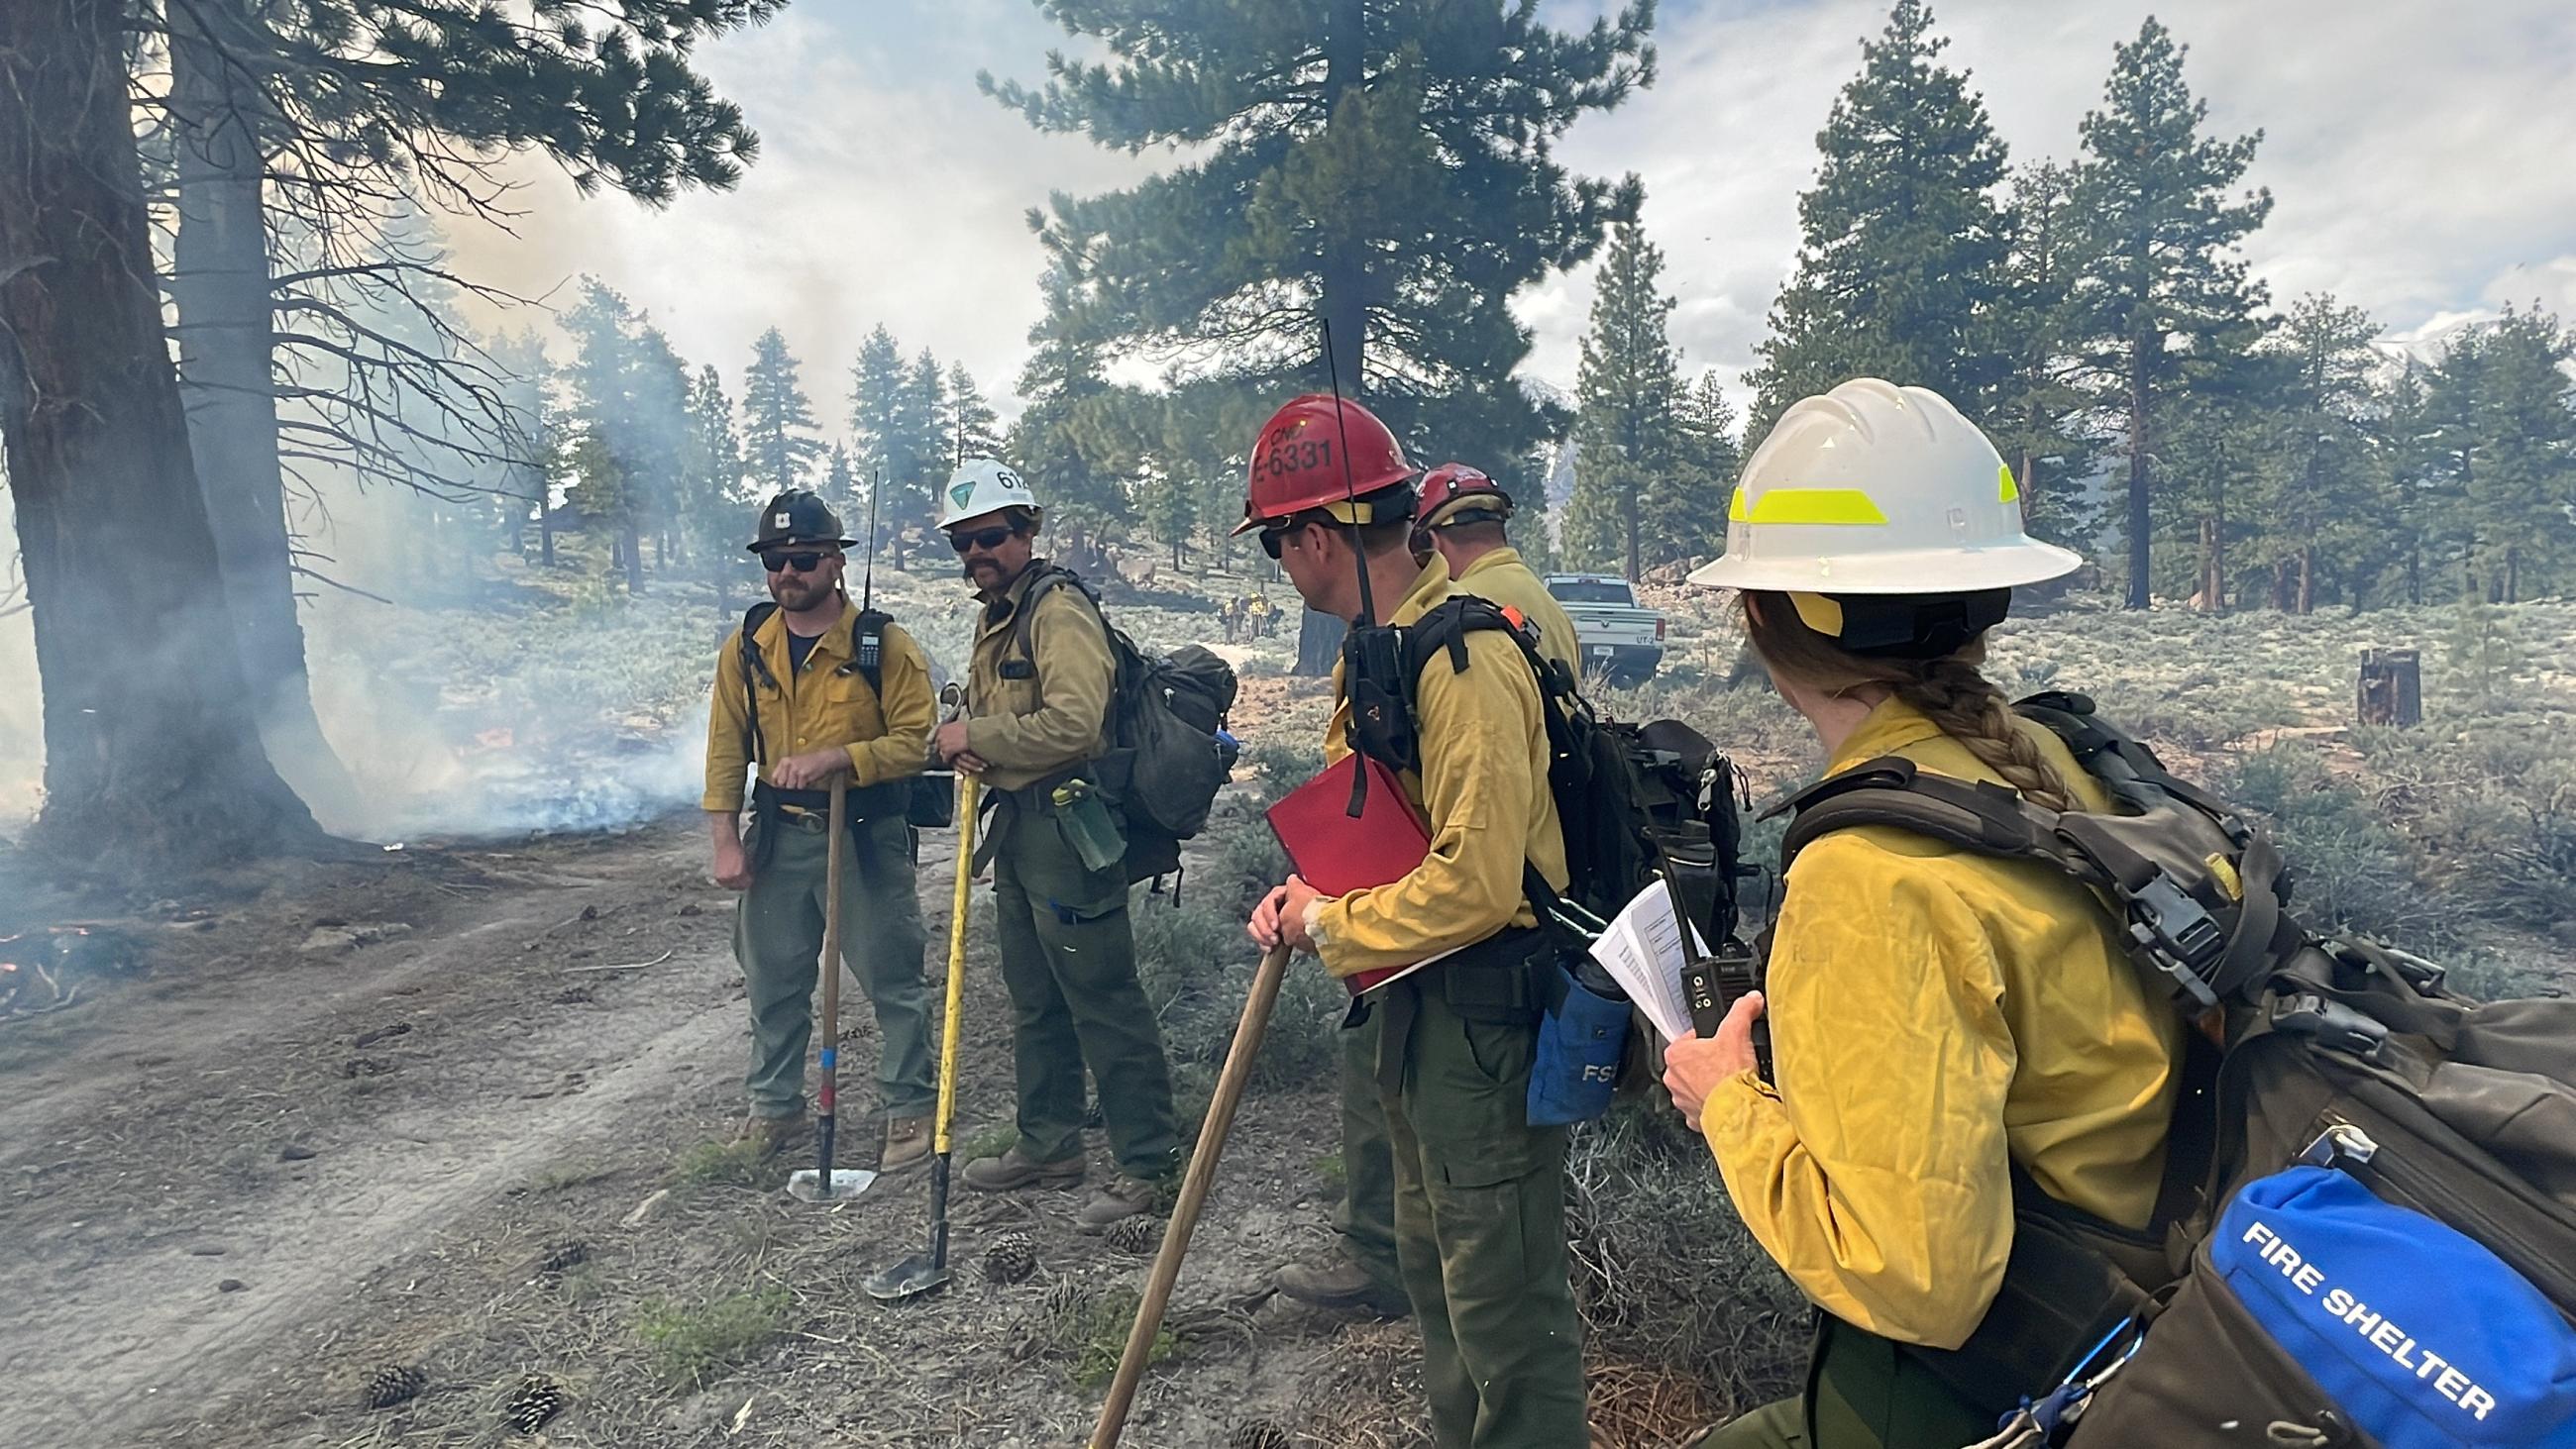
798, 592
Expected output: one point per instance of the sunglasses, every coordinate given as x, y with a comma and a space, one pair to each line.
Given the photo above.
987, 539
1270, 538
803, 563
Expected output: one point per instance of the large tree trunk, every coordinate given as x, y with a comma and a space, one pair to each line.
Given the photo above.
2141, 519
219, 285
1345, 261
631, 546
1319, 642
152, 757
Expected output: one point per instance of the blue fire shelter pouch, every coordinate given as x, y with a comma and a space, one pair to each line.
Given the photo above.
2319, 1313
1580, 1043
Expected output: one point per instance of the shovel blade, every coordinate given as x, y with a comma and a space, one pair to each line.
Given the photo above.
911, 1278
846, 1183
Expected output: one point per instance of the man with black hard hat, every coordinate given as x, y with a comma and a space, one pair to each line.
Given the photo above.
808, 688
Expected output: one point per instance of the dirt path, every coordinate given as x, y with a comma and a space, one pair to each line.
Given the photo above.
232, 1191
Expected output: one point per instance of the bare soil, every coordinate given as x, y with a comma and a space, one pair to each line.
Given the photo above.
308, 1145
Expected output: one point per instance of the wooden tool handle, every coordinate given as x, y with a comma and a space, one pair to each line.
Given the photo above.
1194, 1190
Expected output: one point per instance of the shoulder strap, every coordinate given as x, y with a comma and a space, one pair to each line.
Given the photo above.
1050, 577
755, 672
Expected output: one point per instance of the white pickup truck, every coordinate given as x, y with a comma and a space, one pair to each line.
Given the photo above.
1621, 640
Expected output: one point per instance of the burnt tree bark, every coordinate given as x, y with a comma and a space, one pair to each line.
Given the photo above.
220, 288
152, 757
1344, 287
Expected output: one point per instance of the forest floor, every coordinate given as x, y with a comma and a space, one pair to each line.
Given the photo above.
461, 1108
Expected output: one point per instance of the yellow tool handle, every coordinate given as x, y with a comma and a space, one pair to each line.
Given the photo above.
956, 959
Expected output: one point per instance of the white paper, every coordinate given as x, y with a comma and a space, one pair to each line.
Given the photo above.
1642, 951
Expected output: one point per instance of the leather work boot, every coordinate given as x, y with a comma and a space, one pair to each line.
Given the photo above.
907, 1145
1121, 1197
1341, 1285
1014, 1170
769, 1133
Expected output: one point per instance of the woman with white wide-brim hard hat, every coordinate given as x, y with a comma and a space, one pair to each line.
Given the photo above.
1940, 1023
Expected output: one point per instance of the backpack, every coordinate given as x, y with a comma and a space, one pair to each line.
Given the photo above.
1629, 798
1169, 749
2348, 1125
928, 799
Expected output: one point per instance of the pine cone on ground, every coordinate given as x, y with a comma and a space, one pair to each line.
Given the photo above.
1139, 1234
1011, 1258
563, 1255
1065, 1297
1258, 1434
536, 1400
393, 1384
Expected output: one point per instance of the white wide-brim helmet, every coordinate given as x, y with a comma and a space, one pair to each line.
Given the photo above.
1879, 489
981, 486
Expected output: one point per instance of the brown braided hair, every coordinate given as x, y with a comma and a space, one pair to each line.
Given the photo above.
1949, 690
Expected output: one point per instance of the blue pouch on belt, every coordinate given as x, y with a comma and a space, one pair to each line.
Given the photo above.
2421, 1336
1580, 1041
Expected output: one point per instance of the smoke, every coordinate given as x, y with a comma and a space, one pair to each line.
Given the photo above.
22, 736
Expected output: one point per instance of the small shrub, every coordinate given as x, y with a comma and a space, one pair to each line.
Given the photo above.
2349, 867
693, 1346
726, 1164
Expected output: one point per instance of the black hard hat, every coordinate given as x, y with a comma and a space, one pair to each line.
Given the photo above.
798, 516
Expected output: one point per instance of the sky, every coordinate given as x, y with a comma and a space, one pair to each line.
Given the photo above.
2422, 157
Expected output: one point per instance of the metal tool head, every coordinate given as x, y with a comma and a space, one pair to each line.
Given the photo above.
847, 1183
914, 1277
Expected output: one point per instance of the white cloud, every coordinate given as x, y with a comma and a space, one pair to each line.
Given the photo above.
2418, 154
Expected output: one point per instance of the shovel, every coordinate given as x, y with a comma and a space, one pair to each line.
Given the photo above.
927, 1271
824, 1183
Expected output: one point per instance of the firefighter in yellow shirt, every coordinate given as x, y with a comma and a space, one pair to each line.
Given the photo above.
1460, 518
1479, 1192
1938, 1020
797, 698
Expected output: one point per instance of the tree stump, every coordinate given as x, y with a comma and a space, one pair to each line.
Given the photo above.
2392, 687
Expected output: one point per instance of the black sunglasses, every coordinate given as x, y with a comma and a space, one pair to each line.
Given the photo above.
987, 539
1270, 538
803, 563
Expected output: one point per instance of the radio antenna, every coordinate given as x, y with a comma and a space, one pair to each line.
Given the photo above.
868, 575
1350, 486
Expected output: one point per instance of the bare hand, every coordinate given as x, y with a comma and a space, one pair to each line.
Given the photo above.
1281, 916
805, 771
1693, 1068
1263, 928
733, 866
948, 742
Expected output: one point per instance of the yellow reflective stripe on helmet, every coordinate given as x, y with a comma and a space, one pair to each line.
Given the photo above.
1814, 505
2005, 489
1735, 506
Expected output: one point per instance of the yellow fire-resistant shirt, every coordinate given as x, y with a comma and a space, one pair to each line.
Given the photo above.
1483, 787
1057, 713
1501, 577
1934, 1016
818, 706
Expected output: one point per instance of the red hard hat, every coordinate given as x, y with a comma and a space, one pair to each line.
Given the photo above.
1454, 488
1299, 463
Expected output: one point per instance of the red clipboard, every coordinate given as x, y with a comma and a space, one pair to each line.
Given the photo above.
1338, 854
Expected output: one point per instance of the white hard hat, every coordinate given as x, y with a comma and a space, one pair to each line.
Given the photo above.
1879, 489
981, 486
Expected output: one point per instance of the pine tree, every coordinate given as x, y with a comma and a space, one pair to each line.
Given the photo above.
777, 418
931, 445
2160, 286
840, 484
1685, 506
977, 428
1060, 387
712, 472
2037, 416
884, 440
1385, 163
2327, 514
2506, 414
629, 404
2410, 433
1627, 429
1901, 270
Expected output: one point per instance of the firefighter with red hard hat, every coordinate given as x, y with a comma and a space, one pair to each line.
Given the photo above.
1463, 515
1479, 1193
